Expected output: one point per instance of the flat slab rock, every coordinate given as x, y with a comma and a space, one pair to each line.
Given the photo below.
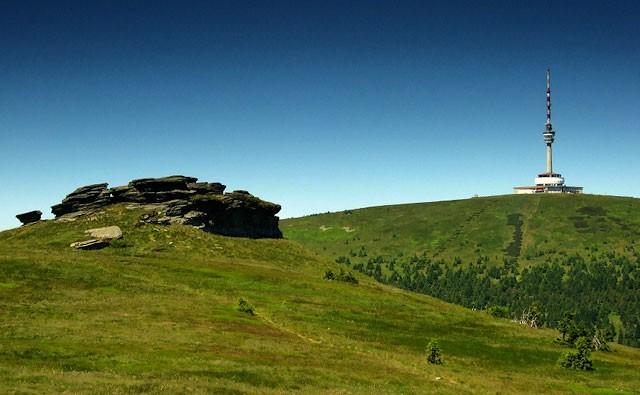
107, 233
102, 238
92, 244
161, 184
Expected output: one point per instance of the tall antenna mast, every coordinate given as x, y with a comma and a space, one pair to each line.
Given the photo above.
548, 99
549, 133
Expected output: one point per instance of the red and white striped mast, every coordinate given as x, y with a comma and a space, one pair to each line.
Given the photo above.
549, 133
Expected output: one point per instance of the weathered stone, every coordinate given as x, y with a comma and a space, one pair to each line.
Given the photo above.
107, 233
90, 197
90, 244
162, 220
162, 184
84, 197
207, 187
177, 208
181, 200
115, 191
120, 194
29, 217
88, 188
196, 218
130, 195
71, 217
166, 196
240, 214
158, 207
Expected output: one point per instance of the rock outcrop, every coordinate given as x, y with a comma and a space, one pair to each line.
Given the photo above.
181, 200
83, 200
30, 217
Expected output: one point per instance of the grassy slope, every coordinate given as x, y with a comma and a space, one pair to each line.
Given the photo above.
551, 225
156, 312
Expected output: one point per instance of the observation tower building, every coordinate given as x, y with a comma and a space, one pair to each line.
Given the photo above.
549, 181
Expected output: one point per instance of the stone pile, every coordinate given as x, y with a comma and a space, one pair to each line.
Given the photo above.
30, 217
181, 200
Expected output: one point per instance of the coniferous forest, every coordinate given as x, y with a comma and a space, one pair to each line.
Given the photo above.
601, 292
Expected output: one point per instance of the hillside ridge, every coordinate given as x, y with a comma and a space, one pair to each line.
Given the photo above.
158, 312
450, 228
558, 255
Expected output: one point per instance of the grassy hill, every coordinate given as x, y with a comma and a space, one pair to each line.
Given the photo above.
157, 313
556, 254
532, 228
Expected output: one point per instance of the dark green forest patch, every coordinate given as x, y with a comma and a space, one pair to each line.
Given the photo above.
514, 247
592, 211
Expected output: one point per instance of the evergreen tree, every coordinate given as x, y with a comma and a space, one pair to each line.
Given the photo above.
433, 353
579, 359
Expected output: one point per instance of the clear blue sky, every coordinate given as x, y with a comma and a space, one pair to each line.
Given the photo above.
318, 105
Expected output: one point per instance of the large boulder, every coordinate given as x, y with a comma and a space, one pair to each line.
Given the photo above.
102, 237
107, 233
29, 217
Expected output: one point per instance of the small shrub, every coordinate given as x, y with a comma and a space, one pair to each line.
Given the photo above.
433, 353
579, 359
347, 277
343, 260
329, 275
342, 276
499, 311
245, 307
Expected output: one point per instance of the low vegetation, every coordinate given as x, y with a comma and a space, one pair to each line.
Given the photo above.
433, 353
158, 312
580, 358
245, 307
532, 259
341, 276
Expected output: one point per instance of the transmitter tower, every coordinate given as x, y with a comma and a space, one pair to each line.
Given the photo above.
548, 182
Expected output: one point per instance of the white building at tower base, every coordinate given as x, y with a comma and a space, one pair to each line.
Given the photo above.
547, 183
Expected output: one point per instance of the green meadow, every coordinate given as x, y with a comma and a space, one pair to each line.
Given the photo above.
157, 312
530, 228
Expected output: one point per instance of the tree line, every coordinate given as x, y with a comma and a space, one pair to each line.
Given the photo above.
590, 289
